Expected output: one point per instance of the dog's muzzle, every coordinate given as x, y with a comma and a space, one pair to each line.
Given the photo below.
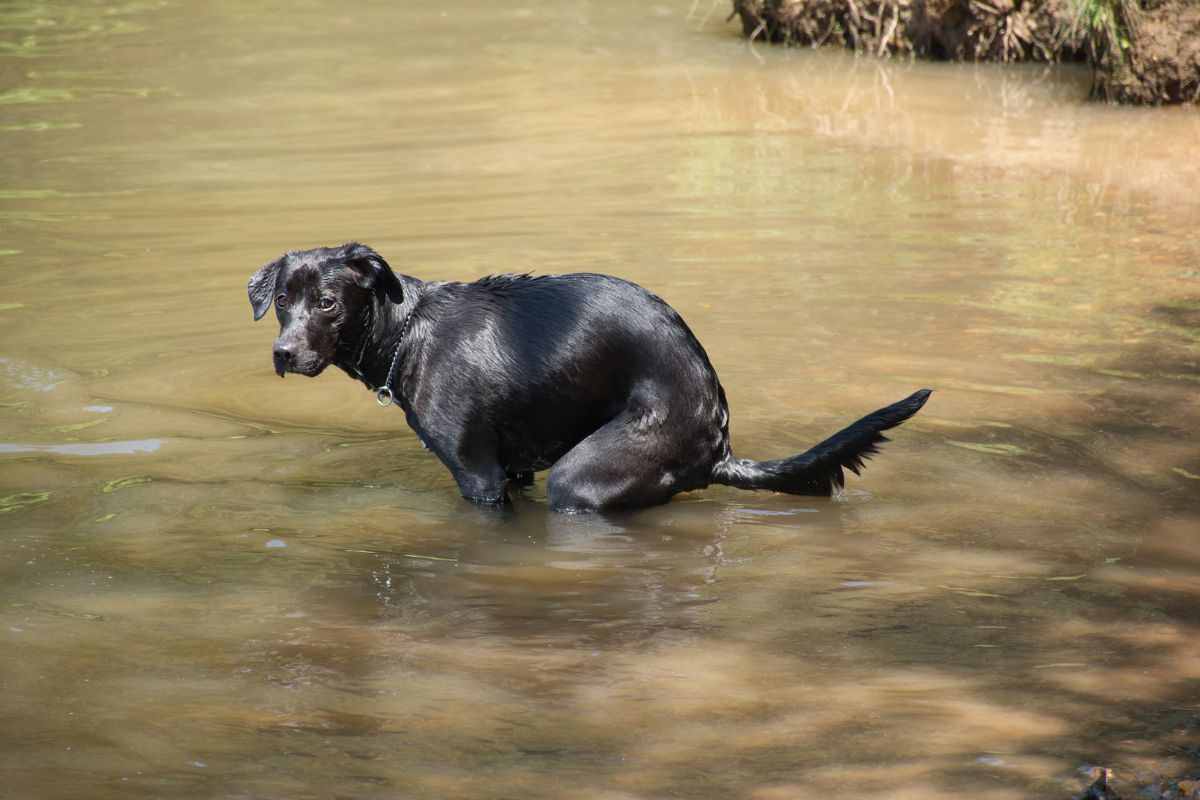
285, 359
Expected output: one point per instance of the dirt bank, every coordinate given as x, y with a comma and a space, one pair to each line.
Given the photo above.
1141, 51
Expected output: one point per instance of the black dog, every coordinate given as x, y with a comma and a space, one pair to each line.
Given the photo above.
589, 376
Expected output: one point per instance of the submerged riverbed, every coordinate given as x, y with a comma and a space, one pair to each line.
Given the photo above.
214, 583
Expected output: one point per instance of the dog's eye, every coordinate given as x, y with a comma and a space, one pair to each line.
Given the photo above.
281, 300
327, 304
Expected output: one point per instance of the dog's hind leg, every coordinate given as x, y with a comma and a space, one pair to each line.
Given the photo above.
622, 464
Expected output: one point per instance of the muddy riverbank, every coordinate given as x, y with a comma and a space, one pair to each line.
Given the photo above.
1144, 52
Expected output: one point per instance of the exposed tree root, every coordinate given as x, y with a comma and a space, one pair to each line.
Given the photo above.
1141, 51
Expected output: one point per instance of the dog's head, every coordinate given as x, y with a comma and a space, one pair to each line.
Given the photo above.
321, 297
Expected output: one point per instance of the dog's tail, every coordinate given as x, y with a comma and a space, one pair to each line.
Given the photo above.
819, 471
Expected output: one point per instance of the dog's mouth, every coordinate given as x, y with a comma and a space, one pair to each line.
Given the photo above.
308, 367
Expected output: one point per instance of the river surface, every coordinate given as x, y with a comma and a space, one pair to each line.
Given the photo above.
214, 583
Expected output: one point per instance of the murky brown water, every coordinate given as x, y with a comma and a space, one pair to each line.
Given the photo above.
209, 590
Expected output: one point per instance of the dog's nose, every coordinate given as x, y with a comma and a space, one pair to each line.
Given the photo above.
284, 356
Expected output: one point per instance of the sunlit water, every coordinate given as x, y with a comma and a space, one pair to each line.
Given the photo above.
214, 583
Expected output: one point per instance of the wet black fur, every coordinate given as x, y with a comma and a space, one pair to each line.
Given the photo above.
589, 376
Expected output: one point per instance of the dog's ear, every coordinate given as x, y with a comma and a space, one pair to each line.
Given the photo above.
261, 287
373, 272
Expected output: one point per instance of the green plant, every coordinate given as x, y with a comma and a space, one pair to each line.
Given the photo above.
1106, 27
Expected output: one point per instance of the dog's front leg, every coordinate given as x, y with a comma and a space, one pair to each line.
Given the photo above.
470, 451
478, 473
488, 487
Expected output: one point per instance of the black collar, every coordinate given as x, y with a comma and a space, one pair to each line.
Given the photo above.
384, 395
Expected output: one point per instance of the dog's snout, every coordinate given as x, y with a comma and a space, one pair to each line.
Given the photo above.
285, 356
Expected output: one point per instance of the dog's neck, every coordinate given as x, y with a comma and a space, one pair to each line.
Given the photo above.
381, 340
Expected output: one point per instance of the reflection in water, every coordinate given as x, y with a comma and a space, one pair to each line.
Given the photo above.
215, 583
85, 448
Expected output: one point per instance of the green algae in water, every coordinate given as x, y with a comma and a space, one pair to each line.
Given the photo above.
79, 426
15, 502
42, 126
29, 194
27, 47
30, 95
125, 483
